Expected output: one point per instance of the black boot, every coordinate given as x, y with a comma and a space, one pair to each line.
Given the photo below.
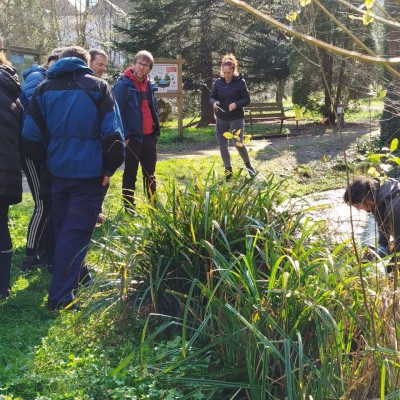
5, 272
250, 169
228, 173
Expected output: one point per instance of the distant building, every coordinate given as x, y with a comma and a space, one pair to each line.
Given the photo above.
93, 27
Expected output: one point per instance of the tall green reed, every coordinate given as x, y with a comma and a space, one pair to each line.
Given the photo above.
264, 304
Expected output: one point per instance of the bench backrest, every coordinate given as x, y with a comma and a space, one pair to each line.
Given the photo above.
264, 107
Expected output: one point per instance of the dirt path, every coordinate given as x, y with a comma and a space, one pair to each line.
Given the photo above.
310, 143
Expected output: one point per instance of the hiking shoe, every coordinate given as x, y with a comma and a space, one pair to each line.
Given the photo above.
228, 173
250, 169
30, 263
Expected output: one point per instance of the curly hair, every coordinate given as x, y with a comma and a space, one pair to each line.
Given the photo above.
360, 190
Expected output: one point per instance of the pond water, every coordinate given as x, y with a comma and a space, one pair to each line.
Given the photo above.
340, 219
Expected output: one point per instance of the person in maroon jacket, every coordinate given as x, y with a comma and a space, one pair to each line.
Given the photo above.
228, 97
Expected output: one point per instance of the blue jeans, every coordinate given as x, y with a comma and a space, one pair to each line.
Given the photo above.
76, 204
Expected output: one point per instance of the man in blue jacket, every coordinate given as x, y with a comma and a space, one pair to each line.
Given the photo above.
73, 124
138, 105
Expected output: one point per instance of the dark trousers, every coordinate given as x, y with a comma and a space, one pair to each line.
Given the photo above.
76, 204
145, 154
5, 246
40, 237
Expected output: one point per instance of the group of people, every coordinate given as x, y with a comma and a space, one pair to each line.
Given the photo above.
76, 131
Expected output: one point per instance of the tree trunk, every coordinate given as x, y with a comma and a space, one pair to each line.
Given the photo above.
327, 70
207, 114
280, 91
390, 121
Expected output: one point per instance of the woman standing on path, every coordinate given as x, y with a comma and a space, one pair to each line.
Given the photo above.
10, 163
228, 97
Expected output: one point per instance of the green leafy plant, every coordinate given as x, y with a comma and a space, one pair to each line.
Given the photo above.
384, 161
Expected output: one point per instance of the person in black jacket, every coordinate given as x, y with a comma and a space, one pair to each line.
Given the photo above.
228, 97
10, 163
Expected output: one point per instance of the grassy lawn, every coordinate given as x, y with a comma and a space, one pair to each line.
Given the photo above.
205, 296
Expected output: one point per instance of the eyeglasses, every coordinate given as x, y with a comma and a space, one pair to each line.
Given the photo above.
143, 65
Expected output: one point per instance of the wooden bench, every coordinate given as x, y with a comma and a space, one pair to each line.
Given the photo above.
256, 113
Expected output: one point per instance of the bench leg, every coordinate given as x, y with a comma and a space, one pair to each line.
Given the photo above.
280, 130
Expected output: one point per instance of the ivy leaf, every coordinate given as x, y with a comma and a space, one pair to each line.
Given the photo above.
367, 18
380, 92
303, 3
227, 135
292, 16
396, 160
246, 139
369, 4
373, 172
375, 157
236, 134
394, 144
298, 111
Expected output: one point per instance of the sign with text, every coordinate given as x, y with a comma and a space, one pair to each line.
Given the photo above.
165, 76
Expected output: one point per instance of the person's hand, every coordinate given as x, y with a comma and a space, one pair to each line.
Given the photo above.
215, 104
126, 142
105, 180
232, 106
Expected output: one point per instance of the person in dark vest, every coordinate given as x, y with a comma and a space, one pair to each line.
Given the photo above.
382, 200
11, 117
74, 125
228, 97
138, 106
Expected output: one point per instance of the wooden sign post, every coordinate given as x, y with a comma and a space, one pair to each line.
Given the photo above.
167, 75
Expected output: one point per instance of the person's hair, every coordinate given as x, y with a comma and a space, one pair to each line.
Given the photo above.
360, 190
3, 60
97, 52
75, 51
54, 55
229, 60
144, 55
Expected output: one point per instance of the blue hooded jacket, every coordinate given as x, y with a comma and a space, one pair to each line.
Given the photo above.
74, 124
33, 76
